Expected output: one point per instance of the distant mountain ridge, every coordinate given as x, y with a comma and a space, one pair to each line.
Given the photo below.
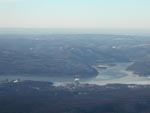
67, 55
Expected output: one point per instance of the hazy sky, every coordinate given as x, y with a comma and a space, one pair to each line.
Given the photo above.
75, 13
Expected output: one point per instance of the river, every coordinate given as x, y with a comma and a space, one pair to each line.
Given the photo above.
112, 74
